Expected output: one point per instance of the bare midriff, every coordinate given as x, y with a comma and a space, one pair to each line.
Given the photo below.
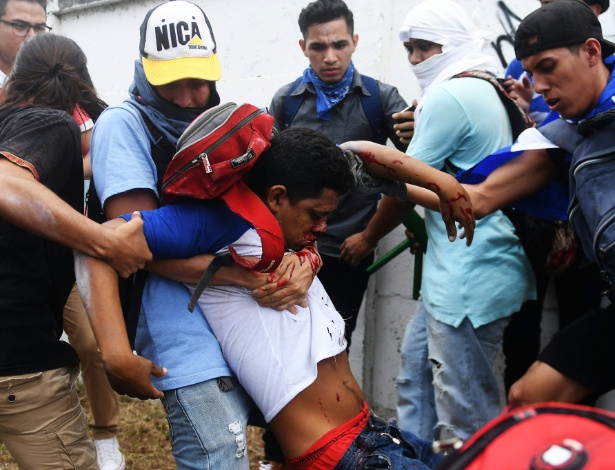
331, 400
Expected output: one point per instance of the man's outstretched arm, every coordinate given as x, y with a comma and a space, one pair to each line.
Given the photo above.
519, 178
389, 163
128, 373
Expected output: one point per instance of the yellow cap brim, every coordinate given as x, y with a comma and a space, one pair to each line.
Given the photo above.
161, 72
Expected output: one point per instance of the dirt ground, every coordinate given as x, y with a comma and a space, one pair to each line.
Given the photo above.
144, 437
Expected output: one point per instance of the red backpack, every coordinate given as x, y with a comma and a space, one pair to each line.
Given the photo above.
545, 436
213, 154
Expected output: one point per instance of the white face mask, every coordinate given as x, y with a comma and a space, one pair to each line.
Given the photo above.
445, 22
429, 69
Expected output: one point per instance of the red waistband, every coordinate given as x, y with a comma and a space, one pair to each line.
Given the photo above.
330, 448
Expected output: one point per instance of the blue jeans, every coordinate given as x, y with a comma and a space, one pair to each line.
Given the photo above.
446, 385
207, 423
384, 445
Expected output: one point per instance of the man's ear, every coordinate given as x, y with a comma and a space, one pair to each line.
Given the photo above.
594, 51
355, 41
303, 46
275, 197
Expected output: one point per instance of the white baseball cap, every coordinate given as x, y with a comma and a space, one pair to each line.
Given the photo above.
177, 42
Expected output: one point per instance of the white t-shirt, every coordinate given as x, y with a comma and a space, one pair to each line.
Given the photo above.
273, 354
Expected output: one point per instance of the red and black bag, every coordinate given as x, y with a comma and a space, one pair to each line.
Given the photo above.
545, 436
213, 155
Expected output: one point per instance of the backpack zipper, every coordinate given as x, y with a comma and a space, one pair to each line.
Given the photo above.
604, 223
590, 161
203, 155
193, 128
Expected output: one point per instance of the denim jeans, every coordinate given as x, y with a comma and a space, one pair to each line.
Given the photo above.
446, 385
383, 445
207, 423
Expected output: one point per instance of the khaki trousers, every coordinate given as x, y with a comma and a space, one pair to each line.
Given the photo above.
103, 400
42, 423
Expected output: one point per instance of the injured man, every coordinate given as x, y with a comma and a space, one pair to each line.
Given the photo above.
293, 365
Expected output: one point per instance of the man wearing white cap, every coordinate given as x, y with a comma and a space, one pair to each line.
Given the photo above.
174, 81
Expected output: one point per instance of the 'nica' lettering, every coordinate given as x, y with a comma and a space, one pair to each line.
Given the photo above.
171, 35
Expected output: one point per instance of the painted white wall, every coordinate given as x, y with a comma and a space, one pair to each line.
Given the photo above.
259, 52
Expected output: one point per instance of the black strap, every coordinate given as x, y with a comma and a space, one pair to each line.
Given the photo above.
162, 153
371, 104
131, 293
217, 263
589, 125
162, 150
450, 167
519, 119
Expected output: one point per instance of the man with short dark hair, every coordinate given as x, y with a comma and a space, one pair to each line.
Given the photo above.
19, 21
576, 284
333, 98
520, 86
562, 47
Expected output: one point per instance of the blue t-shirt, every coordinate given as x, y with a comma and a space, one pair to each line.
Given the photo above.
461, 121
167, 334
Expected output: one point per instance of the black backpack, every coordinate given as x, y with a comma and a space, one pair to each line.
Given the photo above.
592, 195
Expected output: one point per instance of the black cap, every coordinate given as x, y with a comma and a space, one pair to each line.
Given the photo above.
559, 24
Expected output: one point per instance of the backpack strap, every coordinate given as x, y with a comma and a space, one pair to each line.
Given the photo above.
243, 202
162, 153
371, 103
162, 149
519, 119
372, 107
216, 263
292, 103
589, 125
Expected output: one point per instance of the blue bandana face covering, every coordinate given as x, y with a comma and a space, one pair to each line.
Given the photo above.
328, 95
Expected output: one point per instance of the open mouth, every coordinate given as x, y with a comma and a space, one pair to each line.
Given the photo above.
552, 103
